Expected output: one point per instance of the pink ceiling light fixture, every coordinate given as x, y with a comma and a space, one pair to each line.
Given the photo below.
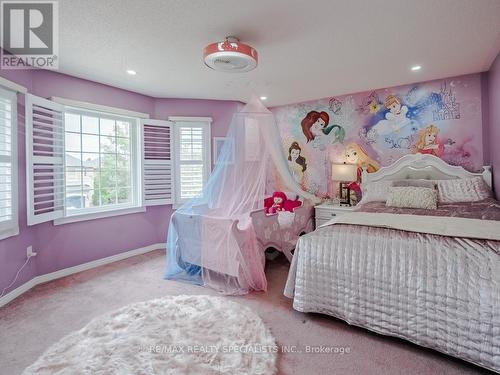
231, 56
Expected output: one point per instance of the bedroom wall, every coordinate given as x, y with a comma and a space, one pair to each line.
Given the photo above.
360, 129
71, 244
494, 121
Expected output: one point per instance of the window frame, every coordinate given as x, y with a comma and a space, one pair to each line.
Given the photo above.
205, 123
10, 228
137, 204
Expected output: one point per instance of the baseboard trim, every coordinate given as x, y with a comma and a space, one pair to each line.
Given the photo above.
75, 269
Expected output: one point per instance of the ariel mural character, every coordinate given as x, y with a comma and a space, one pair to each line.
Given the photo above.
428, 142
315, 128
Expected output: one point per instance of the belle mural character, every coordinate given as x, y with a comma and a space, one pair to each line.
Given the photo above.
428, 142
315, 128
296, 162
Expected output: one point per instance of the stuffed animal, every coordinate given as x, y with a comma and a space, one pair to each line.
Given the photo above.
278, 202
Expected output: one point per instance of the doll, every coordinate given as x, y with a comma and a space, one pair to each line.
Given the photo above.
278, 203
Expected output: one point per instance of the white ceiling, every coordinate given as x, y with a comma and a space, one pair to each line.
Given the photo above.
308, 49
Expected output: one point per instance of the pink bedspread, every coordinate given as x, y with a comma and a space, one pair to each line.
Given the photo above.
489, 209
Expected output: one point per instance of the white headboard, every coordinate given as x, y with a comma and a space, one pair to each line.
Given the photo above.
423, 166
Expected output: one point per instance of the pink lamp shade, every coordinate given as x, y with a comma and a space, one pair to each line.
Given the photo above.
344, 172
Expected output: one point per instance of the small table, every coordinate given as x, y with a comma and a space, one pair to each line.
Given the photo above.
325, 212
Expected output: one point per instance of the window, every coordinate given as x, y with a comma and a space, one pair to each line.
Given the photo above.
192, 156
81, 164
8, 164
86, 161
100, 171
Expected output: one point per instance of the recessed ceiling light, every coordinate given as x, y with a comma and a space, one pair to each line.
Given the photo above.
131, 72
416, 67
263, 97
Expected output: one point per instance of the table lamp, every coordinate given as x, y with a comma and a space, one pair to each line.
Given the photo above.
345, 173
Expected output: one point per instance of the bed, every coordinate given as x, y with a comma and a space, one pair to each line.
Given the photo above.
410, 273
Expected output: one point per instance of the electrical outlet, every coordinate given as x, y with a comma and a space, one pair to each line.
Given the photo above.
29, 252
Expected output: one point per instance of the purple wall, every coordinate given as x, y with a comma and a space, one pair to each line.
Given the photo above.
494, 121
68, 245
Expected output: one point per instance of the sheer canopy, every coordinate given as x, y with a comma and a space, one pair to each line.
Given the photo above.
211, 240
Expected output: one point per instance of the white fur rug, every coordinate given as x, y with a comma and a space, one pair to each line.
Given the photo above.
172, 335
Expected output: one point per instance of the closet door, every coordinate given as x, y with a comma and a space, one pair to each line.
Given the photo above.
44, 159
157, 162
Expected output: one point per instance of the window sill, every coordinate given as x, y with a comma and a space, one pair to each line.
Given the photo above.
98, 215
4, 234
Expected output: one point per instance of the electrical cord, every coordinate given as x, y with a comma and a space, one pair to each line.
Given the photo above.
15, 278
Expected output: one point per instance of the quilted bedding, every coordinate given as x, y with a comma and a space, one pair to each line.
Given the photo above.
437, 291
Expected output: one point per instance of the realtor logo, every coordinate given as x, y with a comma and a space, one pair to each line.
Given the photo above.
29, 34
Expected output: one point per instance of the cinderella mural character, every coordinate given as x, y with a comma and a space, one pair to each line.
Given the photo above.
396, 131
395, 119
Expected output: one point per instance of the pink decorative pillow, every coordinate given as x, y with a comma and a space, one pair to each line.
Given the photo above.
463, 190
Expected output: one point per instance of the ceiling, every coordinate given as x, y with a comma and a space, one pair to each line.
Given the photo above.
307, 49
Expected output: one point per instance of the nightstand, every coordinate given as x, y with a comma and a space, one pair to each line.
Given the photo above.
325, 212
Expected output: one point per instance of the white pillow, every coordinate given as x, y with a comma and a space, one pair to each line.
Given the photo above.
463, 190
412, 197
375, 191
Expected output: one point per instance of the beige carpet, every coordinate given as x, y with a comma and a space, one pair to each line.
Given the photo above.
313, 344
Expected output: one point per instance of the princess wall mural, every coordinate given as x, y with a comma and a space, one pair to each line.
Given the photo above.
374, 129
297, 163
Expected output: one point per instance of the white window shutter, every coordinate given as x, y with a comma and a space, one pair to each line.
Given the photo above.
8, 164
157, 162
44, 159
